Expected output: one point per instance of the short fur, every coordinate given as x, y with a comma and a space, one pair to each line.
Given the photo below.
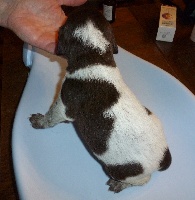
125, 137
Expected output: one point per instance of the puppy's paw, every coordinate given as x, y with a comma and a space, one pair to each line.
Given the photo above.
37, 121
116, 186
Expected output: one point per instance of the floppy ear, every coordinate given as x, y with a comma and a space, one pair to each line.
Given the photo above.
114, 45
60, 46
110, 36
58, 50
64, 40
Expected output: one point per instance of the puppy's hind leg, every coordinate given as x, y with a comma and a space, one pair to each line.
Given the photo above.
55, 115
116, 186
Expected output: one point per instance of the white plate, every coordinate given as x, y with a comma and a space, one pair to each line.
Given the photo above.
53, 164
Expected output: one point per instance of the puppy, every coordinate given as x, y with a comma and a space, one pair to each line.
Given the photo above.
125, 137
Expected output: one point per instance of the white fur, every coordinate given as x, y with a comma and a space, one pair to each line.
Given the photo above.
138, 180
136, 136
91, 36
55, 115
59, 111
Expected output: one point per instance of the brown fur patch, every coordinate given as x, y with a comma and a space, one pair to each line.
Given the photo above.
166, 161
85, 102
120, 172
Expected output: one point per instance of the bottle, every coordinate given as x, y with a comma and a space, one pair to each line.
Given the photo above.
109, 9
192, 37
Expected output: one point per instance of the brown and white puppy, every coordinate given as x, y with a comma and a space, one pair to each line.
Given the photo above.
123, 135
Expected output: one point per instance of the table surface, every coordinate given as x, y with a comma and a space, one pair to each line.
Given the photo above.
135, 30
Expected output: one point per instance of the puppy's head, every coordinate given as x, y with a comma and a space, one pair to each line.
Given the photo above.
86, 31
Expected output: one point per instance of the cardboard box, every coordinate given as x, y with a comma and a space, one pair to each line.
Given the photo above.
167, 24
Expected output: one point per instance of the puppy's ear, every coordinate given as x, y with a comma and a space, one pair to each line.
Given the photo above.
110, 36
114, 45
60, 46
64, 40
58, 49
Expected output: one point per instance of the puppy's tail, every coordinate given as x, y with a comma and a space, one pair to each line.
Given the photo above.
166, 161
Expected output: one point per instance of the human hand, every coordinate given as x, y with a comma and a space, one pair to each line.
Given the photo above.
36, 21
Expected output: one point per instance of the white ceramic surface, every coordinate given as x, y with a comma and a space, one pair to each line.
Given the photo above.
53, 164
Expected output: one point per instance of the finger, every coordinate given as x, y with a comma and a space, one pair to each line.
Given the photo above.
71, 2
51, 48
47, 42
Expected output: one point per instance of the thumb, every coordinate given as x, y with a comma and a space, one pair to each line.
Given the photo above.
71, 2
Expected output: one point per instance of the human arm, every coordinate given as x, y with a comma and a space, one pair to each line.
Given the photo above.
35, 21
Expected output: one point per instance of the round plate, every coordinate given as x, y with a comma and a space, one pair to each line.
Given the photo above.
53, 164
